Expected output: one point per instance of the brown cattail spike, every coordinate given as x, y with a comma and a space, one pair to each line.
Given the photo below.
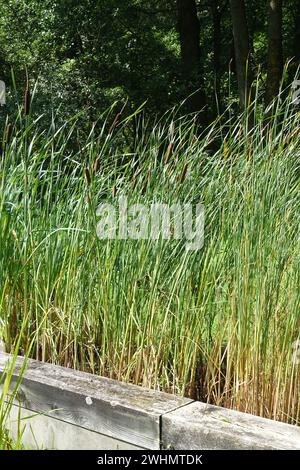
183, 173
115, 122
8, 134
27, 101
169, 153
147, 182
88, 176
97, 165
134, 183
144, 189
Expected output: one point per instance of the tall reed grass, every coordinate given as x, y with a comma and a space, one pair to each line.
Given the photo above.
10, 440
216, 324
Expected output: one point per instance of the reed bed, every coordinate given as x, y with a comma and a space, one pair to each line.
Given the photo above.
217, 324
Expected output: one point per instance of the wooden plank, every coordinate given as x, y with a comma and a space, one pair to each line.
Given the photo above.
122, 411
136, 416
206, 427
43, 432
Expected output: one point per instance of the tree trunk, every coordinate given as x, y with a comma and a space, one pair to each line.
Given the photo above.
217, 11
275, 61
297, 34
189, 32
216, 18
242, 50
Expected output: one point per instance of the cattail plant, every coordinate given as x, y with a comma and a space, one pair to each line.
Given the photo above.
183, 173
169, 153
97, 165
134, 183
115, 123
87, 175
8, 135
27, 99
217, 323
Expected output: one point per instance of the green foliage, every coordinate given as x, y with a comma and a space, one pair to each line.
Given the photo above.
87, 54
216, 324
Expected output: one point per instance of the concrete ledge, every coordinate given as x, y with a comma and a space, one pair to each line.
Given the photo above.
76, 410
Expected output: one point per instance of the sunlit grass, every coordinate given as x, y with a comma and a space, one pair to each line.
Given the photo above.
216, 324
8, 399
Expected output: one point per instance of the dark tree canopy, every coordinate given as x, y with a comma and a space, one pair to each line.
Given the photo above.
87, 55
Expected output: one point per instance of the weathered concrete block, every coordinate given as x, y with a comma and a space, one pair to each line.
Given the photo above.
206, 427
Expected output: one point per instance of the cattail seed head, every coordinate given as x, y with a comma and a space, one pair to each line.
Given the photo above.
183, 173
8, 134
147, 181
97, 165
134, 183
88, 176
169, 153
144, 189
115, 122
27, 101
